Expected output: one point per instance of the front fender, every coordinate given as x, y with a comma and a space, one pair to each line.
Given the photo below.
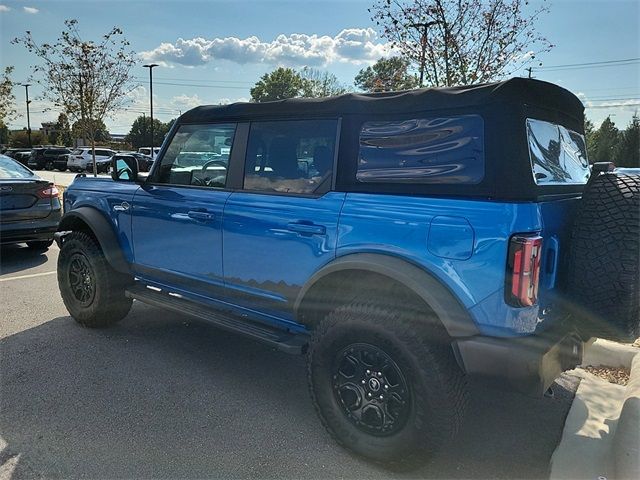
446, 306
101, 229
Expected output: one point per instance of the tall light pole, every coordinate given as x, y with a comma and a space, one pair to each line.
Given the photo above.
26, 89
150, 67
423, 27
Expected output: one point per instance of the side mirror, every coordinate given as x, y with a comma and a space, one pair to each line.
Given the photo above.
124, 169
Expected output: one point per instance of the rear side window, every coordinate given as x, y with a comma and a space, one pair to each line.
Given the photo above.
558, 155
290, 156
443, 150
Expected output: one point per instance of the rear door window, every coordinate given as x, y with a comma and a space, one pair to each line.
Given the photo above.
290, 156
558, 155
444, 150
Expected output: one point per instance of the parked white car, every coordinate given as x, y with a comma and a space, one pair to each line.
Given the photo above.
80, 158
147, 151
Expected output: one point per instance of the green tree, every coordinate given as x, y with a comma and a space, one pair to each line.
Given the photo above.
89, 80
97, 127
452, 42
280, 84
386, 75
319, 83
590, 134
140, 133
63, 136
606, 139
4, 134
627, 151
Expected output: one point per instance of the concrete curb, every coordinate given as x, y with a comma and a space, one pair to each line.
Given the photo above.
626, 443
601, 436
605, 353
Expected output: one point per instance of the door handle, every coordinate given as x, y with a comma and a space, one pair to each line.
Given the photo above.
202, 216
123, 207
307, 228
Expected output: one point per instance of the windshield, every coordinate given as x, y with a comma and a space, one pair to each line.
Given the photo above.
558, 155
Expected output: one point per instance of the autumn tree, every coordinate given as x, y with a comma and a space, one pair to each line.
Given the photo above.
318, 83
21, 139
453, 42
386, 75
7, 98
89, 80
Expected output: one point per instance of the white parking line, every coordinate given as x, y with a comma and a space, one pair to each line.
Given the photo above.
27, 276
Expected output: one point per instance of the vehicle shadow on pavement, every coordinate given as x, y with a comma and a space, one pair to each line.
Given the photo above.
15, 258
162, 395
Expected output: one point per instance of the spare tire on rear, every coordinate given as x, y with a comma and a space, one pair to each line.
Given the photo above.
604, 262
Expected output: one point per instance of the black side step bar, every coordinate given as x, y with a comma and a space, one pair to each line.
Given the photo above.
284, 341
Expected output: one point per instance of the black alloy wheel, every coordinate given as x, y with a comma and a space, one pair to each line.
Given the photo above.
82, 279
371, 389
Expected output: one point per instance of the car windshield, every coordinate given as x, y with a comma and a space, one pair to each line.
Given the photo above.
9, 168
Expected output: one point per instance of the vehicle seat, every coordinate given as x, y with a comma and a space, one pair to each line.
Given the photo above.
283, 158
322, 160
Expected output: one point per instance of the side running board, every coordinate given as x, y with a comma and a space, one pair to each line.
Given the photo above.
284, 341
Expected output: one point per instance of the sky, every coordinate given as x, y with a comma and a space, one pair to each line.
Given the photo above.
212, 52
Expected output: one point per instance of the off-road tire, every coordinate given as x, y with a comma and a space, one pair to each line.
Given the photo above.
108, 304
437, 386
604, 262
40, 245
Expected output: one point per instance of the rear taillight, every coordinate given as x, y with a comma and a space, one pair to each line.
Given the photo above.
49, 192
523, 270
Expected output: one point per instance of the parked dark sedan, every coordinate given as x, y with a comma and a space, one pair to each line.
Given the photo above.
30, 207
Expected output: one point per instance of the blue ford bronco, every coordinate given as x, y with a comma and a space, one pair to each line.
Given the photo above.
405, 242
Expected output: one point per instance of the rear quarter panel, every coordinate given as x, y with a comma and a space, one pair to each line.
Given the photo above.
463, 243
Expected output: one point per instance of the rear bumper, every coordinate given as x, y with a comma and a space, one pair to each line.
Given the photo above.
40, 229
526, 364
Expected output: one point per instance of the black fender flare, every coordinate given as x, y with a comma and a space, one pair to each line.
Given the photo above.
453, 315
102, 230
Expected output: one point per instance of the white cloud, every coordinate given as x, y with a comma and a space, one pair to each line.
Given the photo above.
227, 101
31, 10
184, 102
353, 45
4, 8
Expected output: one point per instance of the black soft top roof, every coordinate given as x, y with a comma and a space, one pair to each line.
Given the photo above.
522, 91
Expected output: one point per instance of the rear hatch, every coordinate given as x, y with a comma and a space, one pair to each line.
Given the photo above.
22, 199
558, 159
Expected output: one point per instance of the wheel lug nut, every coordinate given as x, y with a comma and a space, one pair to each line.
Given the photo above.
381, 397
369, 394
386, 387
379, 374
363, 382
368, 372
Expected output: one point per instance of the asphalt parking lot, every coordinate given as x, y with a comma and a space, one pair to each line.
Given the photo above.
162, 395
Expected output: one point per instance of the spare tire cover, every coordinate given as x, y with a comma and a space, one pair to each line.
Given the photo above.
604, 260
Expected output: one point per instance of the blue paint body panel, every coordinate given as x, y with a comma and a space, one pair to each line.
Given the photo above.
256, 252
